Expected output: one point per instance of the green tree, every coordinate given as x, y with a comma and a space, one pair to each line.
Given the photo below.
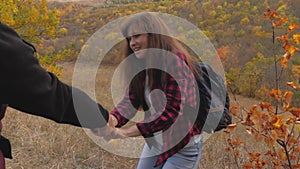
254, 74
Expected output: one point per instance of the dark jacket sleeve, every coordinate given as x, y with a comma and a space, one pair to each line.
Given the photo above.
26, 86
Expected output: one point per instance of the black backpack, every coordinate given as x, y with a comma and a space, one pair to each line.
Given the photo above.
212, 91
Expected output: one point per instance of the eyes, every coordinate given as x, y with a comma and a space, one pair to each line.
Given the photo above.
133, 37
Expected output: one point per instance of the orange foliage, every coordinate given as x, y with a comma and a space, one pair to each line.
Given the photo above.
292, 84
279, 132
296, 38
279, 22
223, 51
295, 111
275, 94
270, 14
264, 105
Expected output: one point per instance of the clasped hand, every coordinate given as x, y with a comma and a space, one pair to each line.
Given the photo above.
109, 131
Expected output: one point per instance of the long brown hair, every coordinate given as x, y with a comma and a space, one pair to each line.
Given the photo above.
159, 37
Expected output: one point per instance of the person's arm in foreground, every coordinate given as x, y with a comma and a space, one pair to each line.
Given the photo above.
27, 87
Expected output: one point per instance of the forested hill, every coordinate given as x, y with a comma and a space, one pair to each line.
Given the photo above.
237, 29
235, 25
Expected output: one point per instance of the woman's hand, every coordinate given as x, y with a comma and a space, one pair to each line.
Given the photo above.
108, 132
131, 131
112, 121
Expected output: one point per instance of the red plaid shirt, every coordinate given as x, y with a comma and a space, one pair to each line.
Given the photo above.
171, 117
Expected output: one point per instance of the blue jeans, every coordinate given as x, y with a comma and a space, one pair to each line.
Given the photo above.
187, 158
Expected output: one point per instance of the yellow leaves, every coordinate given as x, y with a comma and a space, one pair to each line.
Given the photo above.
289, 48
161, 8
31, 18
33, 15
7, 11
277, 121
245, 21
293, 26
296, 38
279, 129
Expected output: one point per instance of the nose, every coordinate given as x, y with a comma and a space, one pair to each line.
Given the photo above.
132, 42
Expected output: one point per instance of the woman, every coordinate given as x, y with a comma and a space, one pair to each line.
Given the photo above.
167, 92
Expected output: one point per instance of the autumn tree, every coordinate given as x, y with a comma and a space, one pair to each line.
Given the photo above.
31, 19
34, 21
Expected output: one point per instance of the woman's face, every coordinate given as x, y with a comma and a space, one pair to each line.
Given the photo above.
138, 43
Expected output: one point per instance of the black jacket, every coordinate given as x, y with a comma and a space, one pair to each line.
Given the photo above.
26, 86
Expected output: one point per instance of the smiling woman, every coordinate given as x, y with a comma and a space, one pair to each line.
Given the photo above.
165, 90
138, 43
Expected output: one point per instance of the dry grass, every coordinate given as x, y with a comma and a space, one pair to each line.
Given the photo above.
40, 143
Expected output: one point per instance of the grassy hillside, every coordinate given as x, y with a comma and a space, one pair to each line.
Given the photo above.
40, 143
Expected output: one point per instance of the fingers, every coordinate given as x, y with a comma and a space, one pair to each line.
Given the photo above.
112, 121
108, 132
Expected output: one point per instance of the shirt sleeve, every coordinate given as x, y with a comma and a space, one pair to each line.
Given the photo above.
125, 109
175, 95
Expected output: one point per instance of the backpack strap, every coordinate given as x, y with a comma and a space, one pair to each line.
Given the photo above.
219, 116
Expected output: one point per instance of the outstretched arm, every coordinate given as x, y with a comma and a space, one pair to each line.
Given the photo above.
26, 86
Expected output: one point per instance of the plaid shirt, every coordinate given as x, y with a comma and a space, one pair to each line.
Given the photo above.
177, 124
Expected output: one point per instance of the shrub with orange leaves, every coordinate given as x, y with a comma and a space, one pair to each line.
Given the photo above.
276, 125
